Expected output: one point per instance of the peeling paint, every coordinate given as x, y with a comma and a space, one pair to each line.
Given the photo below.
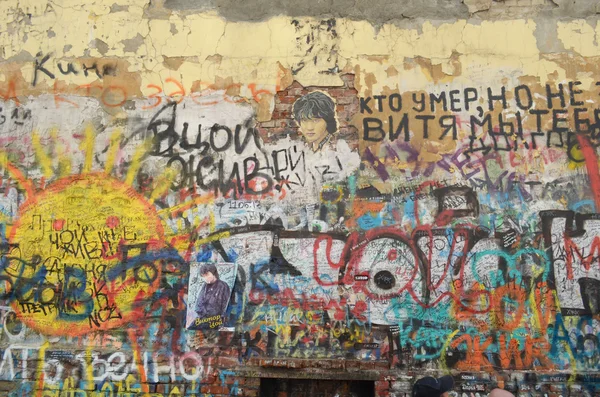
372, 190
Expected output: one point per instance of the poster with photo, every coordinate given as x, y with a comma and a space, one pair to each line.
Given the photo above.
211, 286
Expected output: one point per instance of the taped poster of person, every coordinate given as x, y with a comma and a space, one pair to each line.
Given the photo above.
211, 285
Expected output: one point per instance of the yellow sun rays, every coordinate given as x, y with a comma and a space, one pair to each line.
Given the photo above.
136, 161
113, 149
87, 145
22, 181
56, 161
53, 160
41, 155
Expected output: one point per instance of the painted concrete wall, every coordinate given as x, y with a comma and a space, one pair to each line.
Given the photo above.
445, 222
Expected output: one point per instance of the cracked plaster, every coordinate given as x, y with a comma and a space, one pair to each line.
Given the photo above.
386, 11
144, 34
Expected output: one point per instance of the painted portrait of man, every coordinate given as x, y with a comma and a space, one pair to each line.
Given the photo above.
315, 113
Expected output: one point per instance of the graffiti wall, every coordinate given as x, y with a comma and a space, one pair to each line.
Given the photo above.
189, 204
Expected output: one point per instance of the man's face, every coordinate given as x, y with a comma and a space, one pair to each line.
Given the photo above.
314, 130
209, 278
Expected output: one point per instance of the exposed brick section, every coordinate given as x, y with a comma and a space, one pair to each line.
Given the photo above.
283, 124
230, 377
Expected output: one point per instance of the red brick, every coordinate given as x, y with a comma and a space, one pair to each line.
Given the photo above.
382, 365
325, 364
346, 100
209, 378
352, 108
382, 386
252, 382
288, 99
348, 80
343, 116
283, 106
250, 393
338, 92
557, 388
215, 389
268, 124
232, 380
337, 364
253, 361
227, 362
352, 364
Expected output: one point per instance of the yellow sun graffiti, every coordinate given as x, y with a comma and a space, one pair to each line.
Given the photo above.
77, 231
82, 250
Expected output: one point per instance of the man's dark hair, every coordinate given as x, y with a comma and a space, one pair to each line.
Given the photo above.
209, 267
316, 105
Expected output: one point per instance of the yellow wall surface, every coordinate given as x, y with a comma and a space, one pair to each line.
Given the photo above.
379, 199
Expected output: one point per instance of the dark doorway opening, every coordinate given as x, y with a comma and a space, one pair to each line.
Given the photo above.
273, 387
